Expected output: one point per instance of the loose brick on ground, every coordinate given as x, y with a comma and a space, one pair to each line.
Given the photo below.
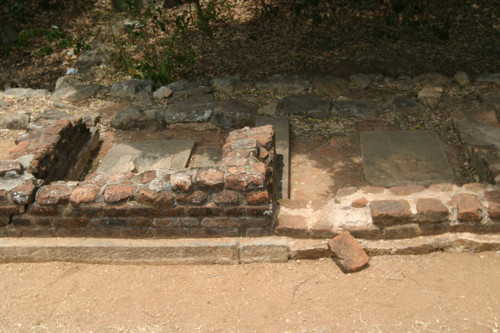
350, 256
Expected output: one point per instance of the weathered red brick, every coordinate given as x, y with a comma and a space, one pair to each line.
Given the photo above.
258, 167
196, 197
165, 222
244, 144
4, 197
322, 228
386, 212
238, 153
21, 221
406, 190
350, 255
96, 178
214, 232
146, 176
493, 198
265, 141
204, 211
469, 207
24, 194
263, 154
64, 122
120, 176
402, 231
236, 169
118, 193
292, 225
108, 222
431, 210
234, 160
11, 210
359, 203
43, 210
162, 199
245, 182
255, 198
262, 210
181, 181
70, 222
210, 178
84, 194
10, 166
174, 211
54, 194
234, 211
261, 130
226, 197
219, 222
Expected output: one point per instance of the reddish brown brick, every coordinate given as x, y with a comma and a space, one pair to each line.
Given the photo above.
265, 141
70, 222
120, 176
263, 154
402, 231
387, 212
234, 211
11, 210
350, 255
234, 160
210, 178
165, 222
469, 207
43, 210
214, 232
254, 221
262, 210
10, 166
196, 197
226, 197
238, 153
359, 203
219, 222
245, 182
431, 210
20, 221
85, 194
293, 226
146, 176
204, 211
4, 220
236, 169
24, 194
322, 228
118, 193
257, 167
174, 211
255, 198
244, 144
4, 197
96, 178
162, 199
493, 198
108, 222
406, 190
181, 181
55, 194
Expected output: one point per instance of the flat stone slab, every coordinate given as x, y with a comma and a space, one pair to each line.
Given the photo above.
404, 157
207, 157
146, 155
305, 105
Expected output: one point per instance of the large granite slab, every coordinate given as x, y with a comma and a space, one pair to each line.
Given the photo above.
140, 156
403, 157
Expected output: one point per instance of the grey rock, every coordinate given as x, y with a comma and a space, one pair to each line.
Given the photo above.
462, 79
407, 106
18, 120
430, 95
130, 88
26, 92
432, 79
358, 108
227, 85
76, 93
163, 92
68, 81
376, 78
50, 115
269, 109
361, 81
133, 118
489, 78
284, 83
330, 85
306, 105
91, 119
196, 91
100, 54
8, 35
193, 109
143, 98
181, 85
403, 83
233, 114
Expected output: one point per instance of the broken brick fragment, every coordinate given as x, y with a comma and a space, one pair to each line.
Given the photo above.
349, 255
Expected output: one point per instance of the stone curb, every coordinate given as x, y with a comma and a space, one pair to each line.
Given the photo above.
222, 250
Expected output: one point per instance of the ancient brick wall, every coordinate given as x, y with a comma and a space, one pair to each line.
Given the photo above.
233, 198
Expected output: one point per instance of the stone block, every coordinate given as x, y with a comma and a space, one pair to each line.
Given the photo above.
292, 226
388, 212
263, 249
308, 249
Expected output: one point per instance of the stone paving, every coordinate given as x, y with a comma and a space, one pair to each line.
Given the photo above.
376, 181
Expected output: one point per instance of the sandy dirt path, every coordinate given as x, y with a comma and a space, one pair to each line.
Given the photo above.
440, 292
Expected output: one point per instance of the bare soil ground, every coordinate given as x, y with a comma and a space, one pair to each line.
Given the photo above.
440, 292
